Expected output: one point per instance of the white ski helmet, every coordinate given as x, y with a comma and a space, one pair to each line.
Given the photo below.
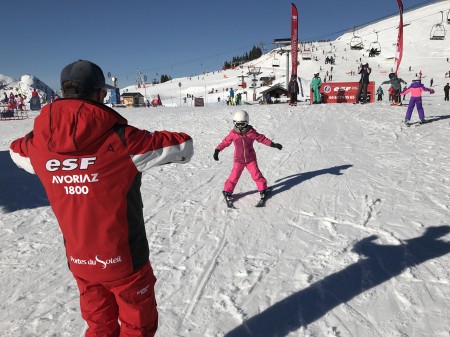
241, 117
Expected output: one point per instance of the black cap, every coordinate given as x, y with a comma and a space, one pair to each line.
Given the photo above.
87, 74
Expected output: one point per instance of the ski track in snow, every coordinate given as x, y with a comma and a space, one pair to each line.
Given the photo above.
346, 174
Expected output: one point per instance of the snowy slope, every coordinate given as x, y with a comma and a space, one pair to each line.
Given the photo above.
421, 53
24, 86
354, 240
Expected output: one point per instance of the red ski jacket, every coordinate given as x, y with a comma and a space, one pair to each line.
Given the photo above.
244, 152
90, 162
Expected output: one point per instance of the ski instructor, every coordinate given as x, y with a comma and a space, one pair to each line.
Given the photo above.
90, 162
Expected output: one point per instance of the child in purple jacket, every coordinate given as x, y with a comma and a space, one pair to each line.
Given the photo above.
243, 136
416, 88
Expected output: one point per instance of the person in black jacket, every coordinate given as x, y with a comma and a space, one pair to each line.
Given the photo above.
293, 90
446, 89
364, 70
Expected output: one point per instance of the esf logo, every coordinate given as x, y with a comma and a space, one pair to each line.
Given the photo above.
326, 89
337, 89
70, 164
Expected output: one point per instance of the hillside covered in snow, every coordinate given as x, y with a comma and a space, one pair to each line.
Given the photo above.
354, 239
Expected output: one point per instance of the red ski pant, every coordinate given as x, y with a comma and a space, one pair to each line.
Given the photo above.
130, 300
236, 172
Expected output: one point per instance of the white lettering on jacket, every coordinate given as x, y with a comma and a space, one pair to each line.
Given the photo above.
70, 164
112, 260
93, 262
76, 179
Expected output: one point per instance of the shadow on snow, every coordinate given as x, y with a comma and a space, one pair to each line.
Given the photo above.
379, 264
19, 189
284, 184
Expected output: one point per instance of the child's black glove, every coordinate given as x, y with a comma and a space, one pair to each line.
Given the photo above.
216, 154
278, 146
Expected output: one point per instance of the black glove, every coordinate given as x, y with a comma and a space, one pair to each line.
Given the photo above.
216, 154
278, 146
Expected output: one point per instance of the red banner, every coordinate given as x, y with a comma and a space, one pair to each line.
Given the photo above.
399, 55
343, 92
294, 39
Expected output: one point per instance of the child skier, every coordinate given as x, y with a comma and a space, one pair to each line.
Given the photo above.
243, 135
416, 89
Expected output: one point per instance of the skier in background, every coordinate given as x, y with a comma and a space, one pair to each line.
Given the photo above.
446, 90
364, 70
231, 96
380, 93
396, 84
243, 136
316, 83
416, 88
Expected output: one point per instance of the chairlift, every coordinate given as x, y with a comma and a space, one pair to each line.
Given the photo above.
330, 56
275, 62
356, 42
330, 53
375, 47
438, 31
306, 54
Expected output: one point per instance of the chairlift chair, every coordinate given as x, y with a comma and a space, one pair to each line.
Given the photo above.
275, 62
356, 42
375, 47
306, 54
330, 53
438, 31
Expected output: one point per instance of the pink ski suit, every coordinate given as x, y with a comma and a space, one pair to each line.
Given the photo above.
244, 157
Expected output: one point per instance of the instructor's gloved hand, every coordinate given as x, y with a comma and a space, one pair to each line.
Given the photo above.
278, 146
216, 154
431, 91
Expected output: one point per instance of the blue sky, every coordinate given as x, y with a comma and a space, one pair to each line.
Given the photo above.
177, 38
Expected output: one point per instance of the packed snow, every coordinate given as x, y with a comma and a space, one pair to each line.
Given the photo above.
354, 238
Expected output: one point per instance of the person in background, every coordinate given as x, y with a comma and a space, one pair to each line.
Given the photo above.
364, 70
316, 83
404, 88
293, 90
380, 93
20, 102
391, 93
231, 96
446, 89
98, 204
416, 88
396, 84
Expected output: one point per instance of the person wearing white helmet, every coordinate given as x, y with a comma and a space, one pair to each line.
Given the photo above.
243, 135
